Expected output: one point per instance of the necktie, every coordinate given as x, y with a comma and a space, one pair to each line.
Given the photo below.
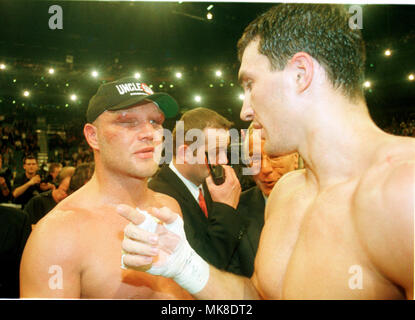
202, 202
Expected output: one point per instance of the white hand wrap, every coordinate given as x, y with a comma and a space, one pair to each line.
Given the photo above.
184, 265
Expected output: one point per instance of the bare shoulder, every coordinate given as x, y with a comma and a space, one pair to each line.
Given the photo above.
60, 232
388, 185
286, 189
54, 246
383, 210
163, 200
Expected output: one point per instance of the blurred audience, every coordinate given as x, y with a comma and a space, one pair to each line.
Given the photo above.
40, 205
14, 231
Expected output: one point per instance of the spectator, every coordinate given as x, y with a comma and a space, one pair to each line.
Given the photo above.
14, 231
5, 187
54, 169
27, 185
81, 176
252, 203
211, 222
40, 205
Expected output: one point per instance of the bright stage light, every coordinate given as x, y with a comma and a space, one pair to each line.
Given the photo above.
137, 75
74, 97
26, 93
367, 84
51, 71
411, 77
198, 98
94, 74
178, 75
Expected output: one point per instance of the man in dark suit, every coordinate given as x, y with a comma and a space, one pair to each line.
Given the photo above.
252, 201
211, 222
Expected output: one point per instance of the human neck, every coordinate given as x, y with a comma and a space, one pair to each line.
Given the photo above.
185, 171
114, 189
339, 145
30, 175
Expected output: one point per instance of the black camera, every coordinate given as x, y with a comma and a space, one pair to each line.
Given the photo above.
216, 171
43, 173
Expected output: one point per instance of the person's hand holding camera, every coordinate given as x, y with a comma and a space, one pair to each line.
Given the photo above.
227, 192
34, 180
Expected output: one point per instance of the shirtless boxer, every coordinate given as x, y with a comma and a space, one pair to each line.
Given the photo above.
342, 228
80, 239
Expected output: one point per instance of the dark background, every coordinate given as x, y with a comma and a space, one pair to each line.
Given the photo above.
158, 39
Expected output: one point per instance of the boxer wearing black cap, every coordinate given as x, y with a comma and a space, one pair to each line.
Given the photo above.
74, 251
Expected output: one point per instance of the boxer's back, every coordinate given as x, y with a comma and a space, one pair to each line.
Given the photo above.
315, 243
84, 239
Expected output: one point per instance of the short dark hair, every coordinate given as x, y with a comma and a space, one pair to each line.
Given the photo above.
53, 166
82, 175
64, 173
321, 30
201, 118
29, 157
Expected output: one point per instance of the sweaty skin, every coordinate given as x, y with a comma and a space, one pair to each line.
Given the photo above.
85, 240
342, 228
74, 251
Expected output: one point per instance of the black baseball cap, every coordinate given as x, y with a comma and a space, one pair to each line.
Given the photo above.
124, 93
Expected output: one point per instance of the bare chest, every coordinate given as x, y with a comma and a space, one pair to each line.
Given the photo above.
104, 278
311, 250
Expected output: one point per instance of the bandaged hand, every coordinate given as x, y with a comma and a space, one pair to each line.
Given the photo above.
156, 243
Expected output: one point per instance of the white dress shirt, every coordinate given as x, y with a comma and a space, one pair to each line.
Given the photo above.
194, 189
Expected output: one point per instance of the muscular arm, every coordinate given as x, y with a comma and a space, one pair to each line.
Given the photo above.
387, 226
223, 285
50, 266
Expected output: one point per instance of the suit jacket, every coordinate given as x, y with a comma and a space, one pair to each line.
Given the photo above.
251, 208
214, 238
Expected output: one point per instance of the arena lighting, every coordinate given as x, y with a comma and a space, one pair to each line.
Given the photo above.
210, 7
51, 71
218, 73
26, 93
388, 52
241, 97
94, 74
178, 75
74, 97
137, 75
411, 77
171, 86
2, 66
209, 16
198, 98
367, 84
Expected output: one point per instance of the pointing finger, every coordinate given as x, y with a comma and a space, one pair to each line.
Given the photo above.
130, 214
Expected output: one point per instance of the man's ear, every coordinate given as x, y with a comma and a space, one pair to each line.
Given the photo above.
91, 135
302, 70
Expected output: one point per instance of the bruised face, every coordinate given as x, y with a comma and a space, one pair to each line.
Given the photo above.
130, 140
271, 168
